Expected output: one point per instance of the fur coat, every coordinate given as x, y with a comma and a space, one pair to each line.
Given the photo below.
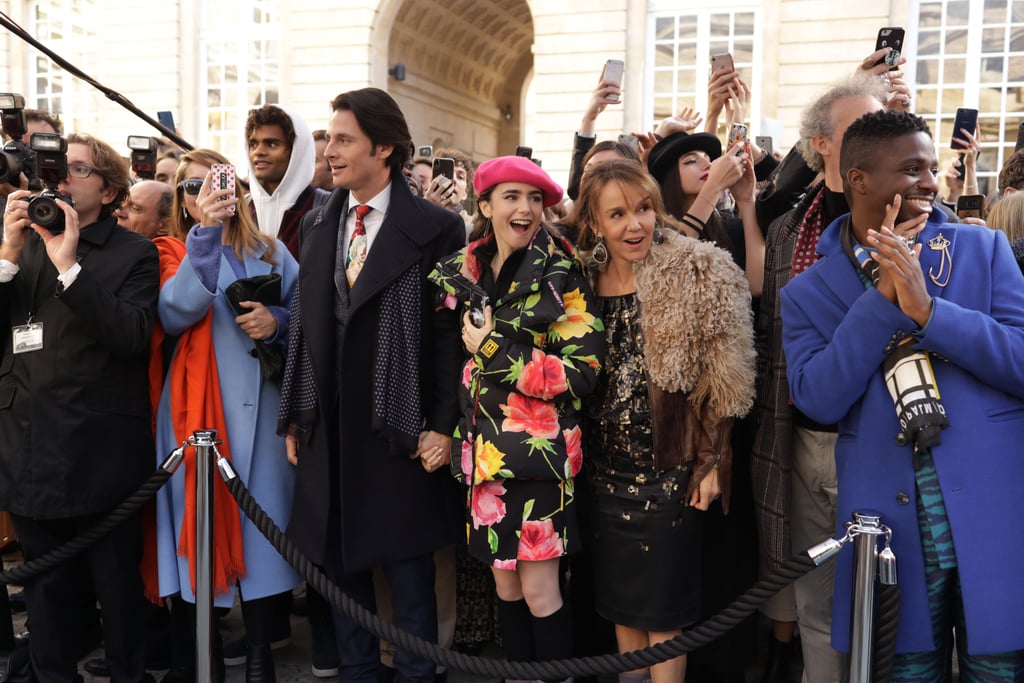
699, 350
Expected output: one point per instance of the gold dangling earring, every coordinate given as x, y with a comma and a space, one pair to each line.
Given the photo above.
600, 252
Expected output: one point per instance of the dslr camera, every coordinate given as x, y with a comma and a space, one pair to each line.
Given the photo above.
51, 167
44, 162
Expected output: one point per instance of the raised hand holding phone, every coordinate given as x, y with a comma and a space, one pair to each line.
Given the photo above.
613, 72
214, 204
223, 183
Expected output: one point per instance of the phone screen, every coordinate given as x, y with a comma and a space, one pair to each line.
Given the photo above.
737, 134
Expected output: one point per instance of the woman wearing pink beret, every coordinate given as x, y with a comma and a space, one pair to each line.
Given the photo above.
535, 348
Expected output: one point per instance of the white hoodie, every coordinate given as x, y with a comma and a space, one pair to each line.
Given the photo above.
270, 208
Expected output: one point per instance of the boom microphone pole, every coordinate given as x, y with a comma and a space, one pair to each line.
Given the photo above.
111, 94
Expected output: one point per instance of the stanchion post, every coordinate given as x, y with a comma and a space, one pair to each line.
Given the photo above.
204, 444
867, 528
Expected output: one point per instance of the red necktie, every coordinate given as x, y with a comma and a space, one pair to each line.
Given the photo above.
357, 247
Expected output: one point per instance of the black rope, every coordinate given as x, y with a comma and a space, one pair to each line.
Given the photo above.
129, 506
689, 640
886, 624
110, 93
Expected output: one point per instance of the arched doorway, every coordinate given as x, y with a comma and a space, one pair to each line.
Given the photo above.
466, 63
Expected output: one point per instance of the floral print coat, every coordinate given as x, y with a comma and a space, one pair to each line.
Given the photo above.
518, 442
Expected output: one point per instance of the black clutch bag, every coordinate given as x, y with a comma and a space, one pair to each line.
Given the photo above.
265, 289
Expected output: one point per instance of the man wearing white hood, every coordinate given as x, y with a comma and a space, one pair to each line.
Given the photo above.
282, 158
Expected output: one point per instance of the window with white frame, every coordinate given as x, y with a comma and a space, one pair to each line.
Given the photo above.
970, 53
683, 36
243, 68
66, 27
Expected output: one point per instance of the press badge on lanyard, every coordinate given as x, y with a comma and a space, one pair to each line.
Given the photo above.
28, 337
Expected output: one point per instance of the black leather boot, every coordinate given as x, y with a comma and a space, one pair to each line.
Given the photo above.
780, 655
259, 665
516, 630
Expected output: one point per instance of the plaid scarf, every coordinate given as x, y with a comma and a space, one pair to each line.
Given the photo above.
908, 371
805, 249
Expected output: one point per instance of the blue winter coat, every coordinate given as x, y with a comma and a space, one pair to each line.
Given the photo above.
834, 335
250, 412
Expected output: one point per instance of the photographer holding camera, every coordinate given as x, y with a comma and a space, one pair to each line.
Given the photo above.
74, 407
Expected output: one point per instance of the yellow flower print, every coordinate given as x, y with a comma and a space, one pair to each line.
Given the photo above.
576, 322
489, 461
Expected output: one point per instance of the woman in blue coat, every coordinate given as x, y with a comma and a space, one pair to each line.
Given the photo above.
225, 246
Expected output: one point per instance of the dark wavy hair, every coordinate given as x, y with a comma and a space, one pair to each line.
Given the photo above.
1012, 173
270, 115
380, 117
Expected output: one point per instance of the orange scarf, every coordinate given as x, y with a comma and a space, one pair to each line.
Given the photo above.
196, 405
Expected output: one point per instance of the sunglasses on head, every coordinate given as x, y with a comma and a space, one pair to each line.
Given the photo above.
191, 186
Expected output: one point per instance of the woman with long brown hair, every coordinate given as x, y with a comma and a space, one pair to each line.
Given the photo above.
679, 369
227, 301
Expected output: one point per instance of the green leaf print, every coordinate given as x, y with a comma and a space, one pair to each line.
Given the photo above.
537, 443
528, 508
516, 369
492, 540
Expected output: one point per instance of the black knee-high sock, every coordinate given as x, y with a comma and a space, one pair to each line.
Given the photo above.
552, 635
516, 624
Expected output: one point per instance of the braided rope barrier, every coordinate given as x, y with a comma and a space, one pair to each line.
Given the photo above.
129, 506
688, 641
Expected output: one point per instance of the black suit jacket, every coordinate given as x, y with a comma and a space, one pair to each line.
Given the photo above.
75, 415
355, 506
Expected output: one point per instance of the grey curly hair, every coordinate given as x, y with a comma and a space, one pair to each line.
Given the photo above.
818, 118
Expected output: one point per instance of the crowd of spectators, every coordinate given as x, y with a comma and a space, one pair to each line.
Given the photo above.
495, 414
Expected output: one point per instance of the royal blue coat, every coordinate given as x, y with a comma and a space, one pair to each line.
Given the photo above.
250, 412
835, 333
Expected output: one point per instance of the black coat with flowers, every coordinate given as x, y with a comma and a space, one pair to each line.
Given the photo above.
521, 392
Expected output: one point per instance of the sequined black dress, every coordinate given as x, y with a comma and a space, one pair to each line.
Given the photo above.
645, 542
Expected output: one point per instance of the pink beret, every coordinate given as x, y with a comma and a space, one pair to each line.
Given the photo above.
516, 170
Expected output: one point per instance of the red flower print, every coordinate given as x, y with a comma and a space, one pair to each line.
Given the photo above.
509, 565
539, 541
488, 508
467, 373
467, 456
533, 416
543, 377
450, 302
574, 449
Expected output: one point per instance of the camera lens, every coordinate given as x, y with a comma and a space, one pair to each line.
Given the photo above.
10, 167
44, 211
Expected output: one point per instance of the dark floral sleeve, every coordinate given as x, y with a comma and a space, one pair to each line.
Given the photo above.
558, 362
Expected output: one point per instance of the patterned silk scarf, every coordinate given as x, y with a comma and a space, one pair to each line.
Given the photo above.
805, 249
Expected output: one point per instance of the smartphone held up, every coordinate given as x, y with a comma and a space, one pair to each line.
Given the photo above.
891, 37
613, 71
223, 182
966, 119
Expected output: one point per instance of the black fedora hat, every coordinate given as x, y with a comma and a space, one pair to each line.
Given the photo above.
668, 150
